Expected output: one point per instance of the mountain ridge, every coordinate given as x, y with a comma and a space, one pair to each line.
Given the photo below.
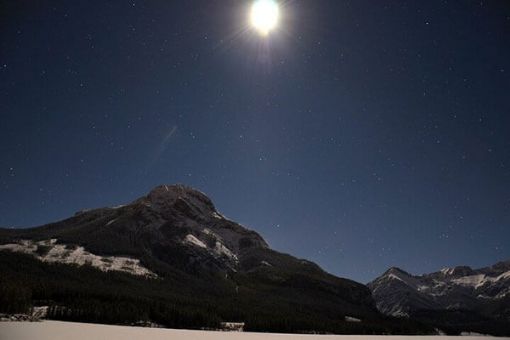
172, 258
461, 295
175, 237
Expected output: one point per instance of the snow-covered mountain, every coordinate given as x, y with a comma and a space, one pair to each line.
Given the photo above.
183, 256
171, 218
484, 291
172, 258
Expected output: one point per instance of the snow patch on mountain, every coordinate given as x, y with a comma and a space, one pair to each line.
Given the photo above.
52, 252
222, 250
479, 280
191, 239
217, 215
447, 271
218, 250
470, 281
110, 222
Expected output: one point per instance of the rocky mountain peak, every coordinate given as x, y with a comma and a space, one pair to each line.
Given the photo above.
171, 193
178, 198
396, 271
458, 271
189, 217
502, 266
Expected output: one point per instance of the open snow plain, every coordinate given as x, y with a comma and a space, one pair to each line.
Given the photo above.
56, 330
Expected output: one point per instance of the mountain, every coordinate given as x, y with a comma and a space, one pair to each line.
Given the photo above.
451, 298
171, 258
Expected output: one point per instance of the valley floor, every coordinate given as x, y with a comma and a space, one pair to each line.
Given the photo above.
56, 330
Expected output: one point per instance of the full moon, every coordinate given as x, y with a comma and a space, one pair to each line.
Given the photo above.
264, 15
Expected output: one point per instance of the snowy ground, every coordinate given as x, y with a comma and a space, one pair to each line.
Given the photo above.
56, 330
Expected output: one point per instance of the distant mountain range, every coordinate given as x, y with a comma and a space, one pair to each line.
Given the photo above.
170, 258
459, 296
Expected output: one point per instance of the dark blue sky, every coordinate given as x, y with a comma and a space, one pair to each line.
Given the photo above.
359, 134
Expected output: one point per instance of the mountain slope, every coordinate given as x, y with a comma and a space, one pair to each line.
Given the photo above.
461, 295
188, 256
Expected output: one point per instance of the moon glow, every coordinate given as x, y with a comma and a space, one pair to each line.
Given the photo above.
264, 16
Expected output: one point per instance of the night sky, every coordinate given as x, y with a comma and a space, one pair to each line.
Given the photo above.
358, 134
